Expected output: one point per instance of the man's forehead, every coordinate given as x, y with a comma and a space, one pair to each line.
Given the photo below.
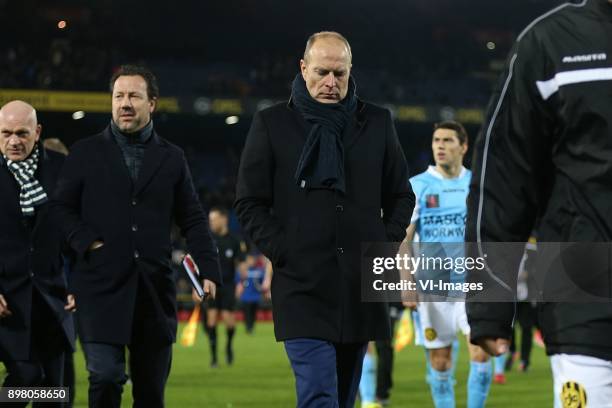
443, 132
16, 122
330, 49
130, 83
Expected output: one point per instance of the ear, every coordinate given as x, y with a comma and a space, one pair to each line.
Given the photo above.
303, 68
464, 147
38, 132
152, 105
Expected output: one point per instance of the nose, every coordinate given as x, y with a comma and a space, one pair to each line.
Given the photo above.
126, 102
330, 80
13, 140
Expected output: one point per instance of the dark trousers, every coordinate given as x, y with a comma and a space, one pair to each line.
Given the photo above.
45, 368
250, 315
149, 366
384, 366
45, 373
326, 374
149, 363
526, 317
69, 376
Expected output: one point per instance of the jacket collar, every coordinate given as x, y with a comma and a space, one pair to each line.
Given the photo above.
155, 153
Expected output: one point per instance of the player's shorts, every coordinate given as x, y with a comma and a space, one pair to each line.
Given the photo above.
225, 298
440, 322
581, 381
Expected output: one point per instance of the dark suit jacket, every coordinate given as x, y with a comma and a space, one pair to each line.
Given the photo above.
96, 199
30, 258
313, 237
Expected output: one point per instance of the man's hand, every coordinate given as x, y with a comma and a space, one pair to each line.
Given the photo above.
410, 299
410, 305
70, 304
95, 245
266, 289
210, 289
4, 310
194, 296
494, 346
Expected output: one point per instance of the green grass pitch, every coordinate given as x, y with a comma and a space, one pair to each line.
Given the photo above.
261, 377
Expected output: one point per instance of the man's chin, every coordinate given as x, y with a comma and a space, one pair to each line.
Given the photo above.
127, 127
16, 157
328, 100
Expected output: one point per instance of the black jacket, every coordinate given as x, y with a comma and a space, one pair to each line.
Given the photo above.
96, 200
313, 237
30, 259
545, 152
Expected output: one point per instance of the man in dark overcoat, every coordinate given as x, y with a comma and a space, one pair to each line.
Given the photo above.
319, 176
118, 195
35, 321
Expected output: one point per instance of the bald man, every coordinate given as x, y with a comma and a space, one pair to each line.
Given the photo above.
35, 321
315, 174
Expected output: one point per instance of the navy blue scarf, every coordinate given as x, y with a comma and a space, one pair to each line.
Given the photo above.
321, 163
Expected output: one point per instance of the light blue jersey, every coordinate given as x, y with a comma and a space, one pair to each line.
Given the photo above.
441, 207
440, 214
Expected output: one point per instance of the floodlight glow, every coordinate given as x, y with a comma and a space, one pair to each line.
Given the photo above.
231, 120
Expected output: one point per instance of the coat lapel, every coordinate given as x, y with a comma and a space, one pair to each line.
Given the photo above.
303, 128
155, 154
45, 178
9, 188
113, 159
355, 127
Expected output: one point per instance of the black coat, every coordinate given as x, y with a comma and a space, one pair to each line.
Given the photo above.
96, 200
544, 153
313, 237
30, 258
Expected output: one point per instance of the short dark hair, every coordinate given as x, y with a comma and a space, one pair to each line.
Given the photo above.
453, 125
221, 210
145, 73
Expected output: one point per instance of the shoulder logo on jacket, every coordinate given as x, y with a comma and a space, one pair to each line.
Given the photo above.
602, 56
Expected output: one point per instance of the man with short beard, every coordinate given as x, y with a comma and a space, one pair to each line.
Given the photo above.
118, 195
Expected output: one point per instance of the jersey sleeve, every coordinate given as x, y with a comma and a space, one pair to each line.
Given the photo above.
417, 188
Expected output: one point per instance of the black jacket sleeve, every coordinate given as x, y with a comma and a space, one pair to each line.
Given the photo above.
193, 223
510, 170
398, 198
66, 204
255, 193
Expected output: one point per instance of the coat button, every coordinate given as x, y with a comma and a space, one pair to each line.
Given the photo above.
31, 274
339, 208
31, 249
134, 227
134, 202
136, 255
340, 250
